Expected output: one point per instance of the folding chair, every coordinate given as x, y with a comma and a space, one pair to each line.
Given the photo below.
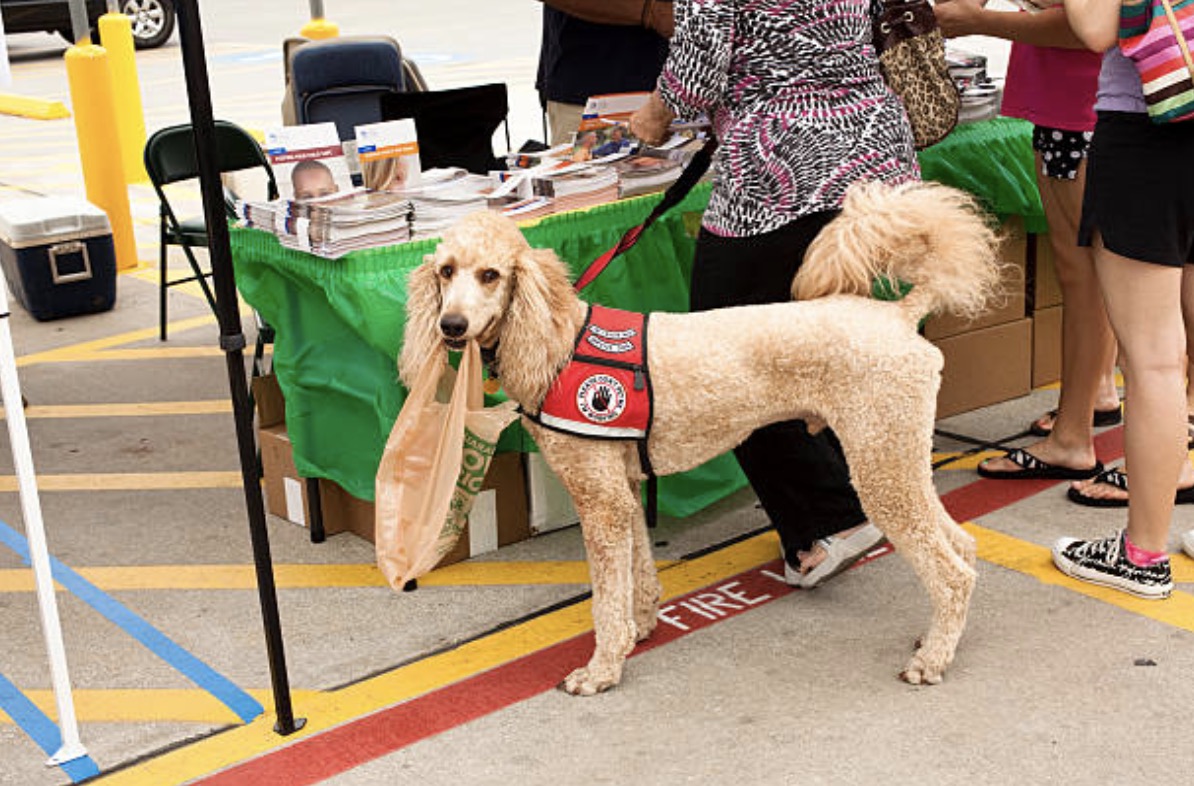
170, 158
455, 127
340, 79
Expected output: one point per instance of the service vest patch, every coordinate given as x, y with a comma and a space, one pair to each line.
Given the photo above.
605, 390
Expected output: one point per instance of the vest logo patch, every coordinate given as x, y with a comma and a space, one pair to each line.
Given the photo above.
601, 398
612, 349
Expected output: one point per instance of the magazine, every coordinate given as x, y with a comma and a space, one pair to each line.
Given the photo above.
308, 160
389, 155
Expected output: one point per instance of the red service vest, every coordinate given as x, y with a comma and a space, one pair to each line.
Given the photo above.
605, 390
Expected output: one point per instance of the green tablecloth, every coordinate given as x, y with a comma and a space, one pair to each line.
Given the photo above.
339, 322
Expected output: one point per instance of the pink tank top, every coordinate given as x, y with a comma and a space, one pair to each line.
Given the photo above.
1052, 87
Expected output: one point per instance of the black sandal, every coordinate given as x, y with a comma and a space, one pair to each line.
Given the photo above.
1116, 477
1032, 468
1102, 417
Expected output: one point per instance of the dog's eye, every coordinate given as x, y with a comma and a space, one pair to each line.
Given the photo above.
489, 275
446, 271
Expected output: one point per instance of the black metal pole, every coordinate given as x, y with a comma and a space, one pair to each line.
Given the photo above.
232, 341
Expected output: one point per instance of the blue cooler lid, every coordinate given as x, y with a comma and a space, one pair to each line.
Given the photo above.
32, 221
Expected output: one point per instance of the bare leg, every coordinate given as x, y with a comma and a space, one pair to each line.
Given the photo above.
1144, 306
1087, 345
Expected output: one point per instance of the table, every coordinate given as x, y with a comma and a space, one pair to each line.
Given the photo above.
339, 322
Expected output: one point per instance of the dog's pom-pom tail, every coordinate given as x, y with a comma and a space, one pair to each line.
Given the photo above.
934, 237
421, 338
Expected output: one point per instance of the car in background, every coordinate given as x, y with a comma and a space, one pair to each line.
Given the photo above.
152, 20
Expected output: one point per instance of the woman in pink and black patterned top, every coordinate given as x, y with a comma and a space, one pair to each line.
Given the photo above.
801, 112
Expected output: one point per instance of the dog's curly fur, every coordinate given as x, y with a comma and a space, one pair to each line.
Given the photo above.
836, 357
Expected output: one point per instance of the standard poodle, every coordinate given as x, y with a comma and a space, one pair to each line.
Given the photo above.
836, 356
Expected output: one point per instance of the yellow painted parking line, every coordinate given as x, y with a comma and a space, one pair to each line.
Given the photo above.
320, 576
1036, 561
86, 350
151, 705
32, 108
127, 410
327, 710
129, 481
959, 460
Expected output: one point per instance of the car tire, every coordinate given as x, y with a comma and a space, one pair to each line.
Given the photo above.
152, 21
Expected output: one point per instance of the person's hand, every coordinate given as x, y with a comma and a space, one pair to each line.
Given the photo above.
651, 121
661, 19
959, 17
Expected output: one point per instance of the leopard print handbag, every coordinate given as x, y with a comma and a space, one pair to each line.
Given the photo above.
912, 58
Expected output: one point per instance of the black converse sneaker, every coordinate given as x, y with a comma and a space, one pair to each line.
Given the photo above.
1105, 562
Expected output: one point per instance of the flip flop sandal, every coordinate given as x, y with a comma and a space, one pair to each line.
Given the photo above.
1102, 417
1116, 477
1032, 468
1190, 432
841, 553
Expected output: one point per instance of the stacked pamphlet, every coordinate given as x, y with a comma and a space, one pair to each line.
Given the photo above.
388, 153
443, 197
332, 226
308, 161
573, 186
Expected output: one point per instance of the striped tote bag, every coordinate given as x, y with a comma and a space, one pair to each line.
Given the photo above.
1158, 35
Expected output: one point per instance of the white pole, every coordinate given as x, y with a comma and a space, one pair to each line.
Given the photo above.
18, 435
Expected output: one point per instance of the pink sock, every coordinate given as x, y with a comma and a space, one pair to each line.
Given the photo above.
1141, 558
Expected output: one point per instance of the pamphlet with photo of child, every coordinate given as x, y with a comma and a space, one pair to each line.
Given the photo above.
604, 129
308, 161
389, 155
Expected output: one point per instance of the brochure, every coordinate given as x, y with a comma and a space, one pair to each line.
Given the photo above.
389, 155
308, 160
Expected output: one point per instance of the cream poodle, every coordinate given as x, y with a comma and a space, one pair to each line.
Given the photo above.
836, 357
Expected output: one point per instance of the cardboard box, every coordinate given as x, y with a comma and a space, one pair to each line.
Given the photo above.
1013, 303
1046, 346
285, 491
268, 401
985, 367
500, 514
1044, 288
550, 504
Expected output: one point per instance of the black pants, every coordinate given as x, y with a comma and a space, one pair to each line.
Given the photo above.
802, 481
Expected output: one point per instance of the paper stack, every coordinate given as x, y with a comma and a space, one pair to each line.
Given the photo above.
444, 196
332, 226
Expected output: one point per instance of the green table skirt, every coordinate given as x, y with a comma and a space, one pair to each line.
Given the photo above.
339, 322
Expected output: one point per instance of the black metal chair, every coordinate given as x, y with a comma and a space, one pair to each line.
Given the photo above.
170, 158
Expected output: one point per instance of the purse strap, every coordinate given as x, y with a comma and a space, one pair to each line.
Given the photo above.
1182, 44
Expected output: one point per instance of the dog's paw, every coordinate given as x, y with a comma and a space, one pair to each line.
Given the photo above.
644, 624
919, 672
586, 682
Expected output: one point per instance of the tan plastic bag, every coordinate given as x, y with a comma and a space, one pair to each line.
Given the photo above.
433, 465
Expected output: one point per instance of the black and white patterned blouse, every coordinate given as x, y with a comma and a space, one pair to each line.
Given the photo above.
797, 103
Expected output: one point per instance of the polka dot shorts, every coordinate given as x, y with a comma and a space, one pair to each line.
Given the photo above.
1061, 151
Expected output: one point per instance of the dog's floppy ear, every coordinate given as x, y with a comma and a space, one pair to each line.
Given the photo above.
536, 330
421, 337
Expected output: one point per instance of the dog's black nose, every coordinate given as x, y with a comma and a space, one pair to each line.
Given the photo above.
453, 325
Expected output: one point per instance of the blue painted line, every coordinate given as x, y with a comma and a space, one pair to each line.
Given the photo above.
245, 706
42, 730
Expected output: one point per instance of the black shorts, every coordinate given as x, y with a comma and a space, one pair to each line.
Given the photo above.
1061, 151
1140, 189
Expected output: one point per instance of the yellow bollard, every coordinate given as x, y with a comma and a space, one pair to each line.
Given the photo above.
90, 80
319, 28
116, 31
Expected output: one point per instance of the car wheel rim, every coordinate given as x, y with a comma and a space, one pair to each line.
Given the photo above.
145, 16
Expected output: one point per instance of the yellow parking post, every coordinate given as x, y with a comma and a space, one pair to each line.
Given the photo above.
90, 81
319, 28
116, 31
